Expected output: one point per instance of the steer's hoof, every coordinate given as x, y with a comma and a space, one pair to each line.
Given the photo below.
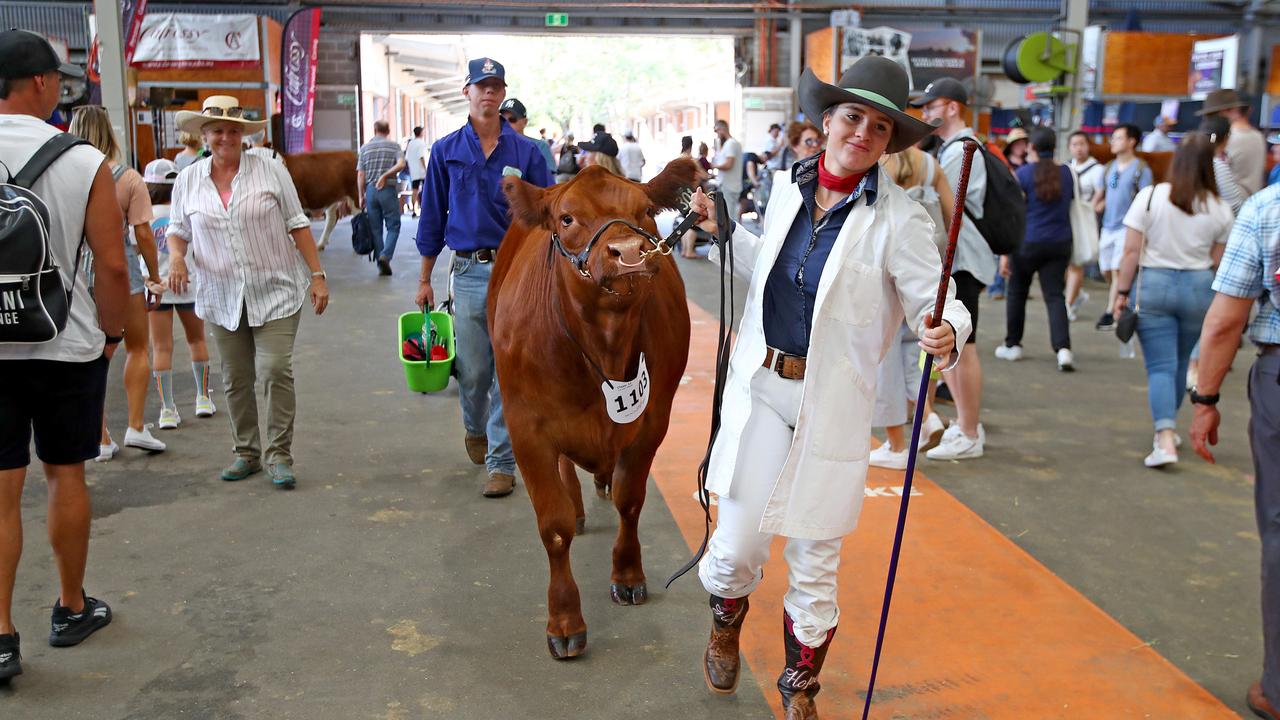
564, 648
629, 594
580, 527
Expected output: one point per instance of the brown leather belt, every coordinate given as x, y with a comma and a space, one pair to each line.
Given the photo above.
1264, 350
483, 255
790, 367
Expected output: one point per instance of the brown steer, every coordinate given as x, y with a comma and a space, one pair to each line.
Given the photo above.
559, 330
325, 180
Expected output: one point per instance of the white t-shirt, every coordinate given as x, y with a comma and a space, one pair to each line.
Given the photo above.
415, 155
64, 187
631, 158
1176, 240
160, 226
1092, 176
731, 179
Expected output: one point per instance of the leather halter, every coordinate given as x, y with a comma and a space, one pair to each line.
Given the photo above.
662, 246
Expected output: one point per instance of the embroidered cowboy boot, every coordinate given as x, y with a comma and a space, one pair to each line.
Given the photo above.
721, 663
799, 680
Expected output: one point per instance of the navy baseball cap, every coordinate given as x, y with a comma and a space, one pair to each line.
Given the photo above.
25, 54
515, 107
483, 69
943, 88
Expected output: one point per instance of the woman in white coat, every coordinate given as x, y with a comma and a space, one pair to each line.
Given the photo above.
844, 257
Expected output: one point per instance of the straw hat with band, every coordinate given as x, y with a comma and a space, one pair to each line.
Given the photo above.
217, 108
1014, 136
873, 81
1220, 100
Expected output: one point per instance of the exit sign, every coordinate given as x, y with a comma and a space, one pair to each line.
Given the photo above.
557, 20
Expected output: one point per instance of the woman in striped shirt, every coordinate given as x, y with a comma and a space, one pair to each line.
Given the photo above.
250, 241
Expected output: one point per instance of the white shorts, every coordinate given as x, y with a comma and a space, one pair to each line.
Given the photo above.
1111, 248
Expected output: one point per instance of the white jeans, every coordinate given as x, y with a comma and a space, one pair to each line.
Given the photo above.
734, 563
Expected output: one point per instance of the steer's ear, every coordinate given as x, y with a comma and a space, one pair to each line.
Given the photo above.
528, 202
668, 189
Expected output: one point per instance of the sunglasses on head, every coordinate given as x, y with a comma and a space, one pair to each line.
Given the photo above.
231, 112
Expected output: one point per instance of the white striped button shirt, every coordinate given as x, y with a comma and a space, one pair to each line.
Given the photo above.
243, 253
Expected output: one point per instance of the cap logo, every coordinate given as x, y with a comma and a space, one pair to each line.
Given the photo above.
488, 66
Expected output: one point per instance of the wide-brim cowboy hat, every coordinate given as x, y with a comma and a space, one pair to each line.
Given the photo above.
217, 108
874, 81
1220, 100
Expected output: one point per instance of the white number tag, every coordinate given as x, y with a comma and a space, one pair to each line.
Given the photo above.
626, 401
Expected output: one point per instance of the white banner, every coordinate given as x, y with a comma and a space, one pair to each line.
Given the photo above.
172, 40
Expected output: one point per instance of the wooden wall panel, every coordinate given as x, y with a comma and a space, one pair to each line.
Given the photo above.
1147, 63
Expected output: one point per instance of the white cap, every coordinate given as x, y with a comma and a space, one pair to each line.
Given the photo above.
160, 171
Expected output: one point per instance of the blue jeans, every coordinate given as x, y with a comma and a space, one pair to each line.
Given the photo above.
383, 207
1172, 304
1264, 438
477, 381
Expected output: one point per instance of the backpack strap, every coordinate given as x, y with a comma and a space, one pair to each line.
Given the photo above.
44, 157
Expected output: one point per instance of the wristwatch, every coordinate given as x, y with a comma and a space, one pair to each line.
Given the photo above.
1198, 399
320, 274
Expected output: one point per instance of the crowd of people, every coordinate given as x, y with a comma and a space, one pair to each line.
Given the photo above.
218, 236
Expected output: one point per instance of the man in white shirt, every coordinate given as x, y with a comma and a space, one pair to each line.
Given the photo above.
728, 165
947, 101
1246, 148
631, 157
55, 389
415, 154
1158, 139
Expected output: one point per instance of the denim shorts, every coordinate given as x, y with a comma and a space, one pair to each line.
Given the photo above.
131, 260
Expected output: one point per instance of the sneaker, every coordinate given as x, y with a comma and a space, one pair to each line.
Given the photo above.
10, 656
241, 469
1004, 352
1072, 316
885, 457
73, 628
958, 446
108, 451
282, 475
384, 266
931, 433
1106, 323
204, 406
169, 418
1080, 300
1159, 458
142, 439
1066, 361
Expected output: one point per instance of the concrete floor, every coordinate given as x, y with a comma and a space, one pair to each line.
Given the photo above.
386, 587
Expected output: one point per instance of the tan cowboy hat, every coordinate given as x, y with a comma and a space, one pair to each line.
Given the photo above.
1220, 100
217, 108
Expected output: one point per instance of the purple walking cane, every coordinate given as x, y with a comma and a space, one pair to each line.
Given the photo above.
957, 217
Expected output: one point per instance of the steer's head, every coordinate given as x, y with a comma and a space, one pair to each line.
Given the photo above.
620, 259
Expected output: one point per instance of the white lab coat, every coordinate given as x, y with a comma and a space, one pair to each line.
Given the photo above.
884, 261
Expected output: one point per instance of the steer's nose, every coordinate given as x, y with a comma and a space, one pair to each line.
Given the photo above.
628, 253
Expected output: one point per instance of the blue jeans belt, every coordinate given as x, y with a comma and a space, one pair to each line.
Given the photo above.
483, 255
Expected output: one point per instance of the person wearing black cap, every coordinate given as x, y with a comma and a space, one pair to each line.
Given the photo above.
945, 102
603, 151
54, 390
463, 207
514, 112
847, 255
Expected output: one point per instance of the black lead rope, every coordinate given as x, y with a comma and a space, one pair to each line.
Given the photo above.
724, 243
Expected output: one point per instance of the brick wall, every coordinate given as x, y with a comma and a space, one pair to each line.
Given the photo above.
338, 66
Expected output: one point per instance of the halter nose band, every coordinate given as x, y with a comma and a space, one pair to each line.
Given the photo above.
579, 261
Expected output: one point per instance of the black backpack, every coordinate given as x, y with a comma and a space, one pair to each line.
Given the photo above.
362, 235
34, 302
1004, 209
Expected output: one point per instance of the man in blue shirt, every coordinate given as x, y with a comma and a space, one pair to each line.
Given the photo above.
1249, 279
463, 207
1124, 177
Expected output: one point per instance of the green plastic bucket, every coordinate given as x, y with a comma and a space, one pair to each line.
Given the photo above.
426, 376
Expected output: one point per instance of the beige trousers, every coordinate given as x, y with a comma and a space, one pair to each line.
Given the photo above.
246, 353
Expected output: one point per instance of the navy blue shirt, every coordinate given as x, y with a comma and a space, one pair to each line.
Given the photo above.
462, 201
791, 291
1047, 222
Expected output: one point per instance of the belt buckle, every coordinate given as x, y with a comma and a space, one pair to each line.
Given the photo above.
484, 255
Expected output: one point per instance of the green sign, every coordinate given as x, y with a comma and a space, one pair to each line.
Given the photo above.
557, 20
347, 99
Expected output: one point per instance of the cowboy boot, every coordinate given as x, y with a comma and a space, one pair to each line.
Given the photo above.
798, 682
720, 664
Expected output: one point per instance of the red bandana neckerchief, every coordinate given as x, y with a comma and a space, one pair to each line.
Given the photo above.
836, 183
